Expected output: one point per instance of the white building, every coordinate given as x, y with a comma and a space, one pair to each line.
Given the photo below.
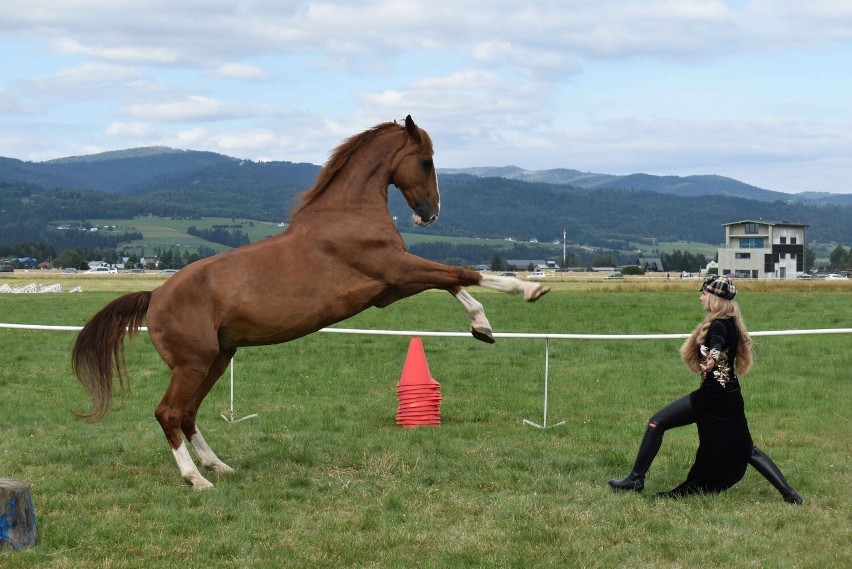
763, 250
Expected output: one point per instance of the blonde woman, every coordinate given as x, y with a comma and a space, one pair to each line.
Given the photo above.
718, 349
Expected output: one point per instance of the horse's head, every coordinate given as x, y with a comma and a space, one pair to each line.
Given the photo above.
413, 172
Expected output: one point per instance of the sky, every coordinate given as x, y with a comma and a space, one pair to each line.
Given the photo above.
759, 91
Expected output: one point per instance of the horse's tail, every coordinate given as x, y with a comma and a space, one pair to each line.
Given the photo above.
98, 354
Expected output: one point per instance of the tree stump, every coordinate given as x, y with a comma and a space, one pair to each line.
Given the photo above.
17, 515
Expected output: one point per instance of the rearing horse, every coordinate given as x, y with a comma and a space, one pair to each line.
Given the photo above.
258, 294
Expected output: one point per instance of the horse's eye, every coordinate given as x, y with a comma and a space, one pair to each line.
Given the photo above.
427, 164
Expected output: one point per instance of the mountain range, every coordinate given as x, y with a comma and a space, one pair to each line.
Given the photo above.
676, 185
138, 170
599, 209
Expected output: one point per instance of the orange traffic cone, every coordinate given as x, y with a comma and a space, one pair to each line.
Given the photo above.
417, 390
415, 371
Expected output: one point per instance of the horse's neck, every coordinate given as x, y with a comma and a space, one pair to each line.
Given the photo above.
363, 181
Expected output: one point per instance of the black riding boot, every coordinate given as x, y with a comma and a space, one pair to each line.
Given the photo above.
635, 481
767, 468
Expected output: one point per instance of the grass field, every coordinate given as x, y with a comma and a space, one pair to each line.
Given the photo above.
165, 233
326, 479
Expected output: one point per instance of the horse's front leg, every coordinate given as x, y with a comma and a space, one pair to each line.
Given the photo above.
414, 274
417, 270
531, 290
479, 325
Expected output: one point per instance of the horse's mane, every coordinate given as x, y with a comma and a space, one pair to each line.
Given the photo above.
339, 157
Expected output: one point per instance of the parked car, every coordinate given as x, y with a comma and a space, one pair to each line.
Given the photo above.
7, 269
615, 276
70, 270
168, 271
805, 276
835, 277
537, 275
102, 271
508, 274
135, 272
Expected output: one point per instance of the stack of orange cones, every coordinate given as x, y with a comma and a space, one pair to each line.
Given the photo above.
417, 391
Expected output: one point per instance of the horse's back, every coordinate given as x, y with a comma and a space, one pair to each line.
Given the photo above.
268, 292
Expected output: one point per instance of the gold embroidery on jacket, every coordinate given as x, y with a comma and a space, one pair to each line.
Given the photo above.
721, 372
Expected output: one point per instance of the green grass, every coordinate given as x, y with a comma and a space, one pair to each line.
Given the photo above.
165, 233
326, 479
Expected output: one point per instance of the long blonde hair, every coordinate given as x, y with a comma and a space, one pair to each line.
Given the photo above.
720, 308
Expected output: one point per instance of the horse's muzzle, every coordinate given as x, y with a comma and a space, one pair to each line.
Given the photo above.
424, 216
424, 221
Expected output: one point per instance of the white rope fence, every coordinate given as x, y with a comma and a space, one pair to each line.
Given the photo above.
413, 333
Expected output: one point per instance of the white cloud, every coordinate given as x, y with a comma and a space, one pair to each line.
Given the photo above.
192, 139
535, 83
129, 129
193, 108
83, 81
241, 71
120, 54
12, 104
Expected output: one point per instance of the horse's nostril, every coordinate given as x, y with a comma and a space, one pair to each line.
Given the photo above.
433, 219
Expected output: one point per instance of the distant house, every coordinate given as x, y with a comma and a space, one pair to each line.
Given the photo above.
27, 262
533, 264
651, 264
763, 249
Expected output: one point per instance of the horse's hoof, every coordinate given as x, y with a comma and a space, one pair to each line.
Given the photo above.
484, 335
221, 469
200, 483
537, 292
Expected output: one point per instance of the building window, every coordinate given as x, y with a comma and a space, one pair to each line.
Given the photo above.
751, 242
743, 255
792, 240
751, 229
783, 240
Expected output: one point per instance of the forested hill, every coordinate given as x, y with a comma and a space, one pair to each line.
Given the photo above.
149, 170
166, 182
697, 185
498, 207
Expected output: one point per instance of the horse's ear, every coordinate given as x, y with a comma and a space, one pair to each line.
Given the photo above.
412, 129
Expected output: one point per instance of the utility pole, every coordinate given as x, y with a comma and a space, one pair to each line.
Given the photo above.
564, 250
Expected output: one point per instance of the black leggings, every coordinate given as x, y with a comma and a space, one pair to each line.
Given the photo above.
678, 413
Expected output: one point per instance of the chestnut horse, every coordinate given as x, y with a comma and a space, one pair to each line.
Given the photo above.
260, 293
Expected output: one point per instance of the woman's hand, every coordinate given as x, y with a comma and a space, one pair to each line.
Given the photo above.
709, 363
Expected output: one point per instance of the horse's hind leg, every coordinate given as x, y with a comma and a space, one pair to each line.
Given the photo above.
170, 414
190, 430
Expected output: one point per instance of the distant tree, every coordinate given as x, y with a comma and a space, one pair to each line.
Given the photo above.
70, 258
810, 259
167, 260
605, 260
497, 264
133, 262
838, 259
